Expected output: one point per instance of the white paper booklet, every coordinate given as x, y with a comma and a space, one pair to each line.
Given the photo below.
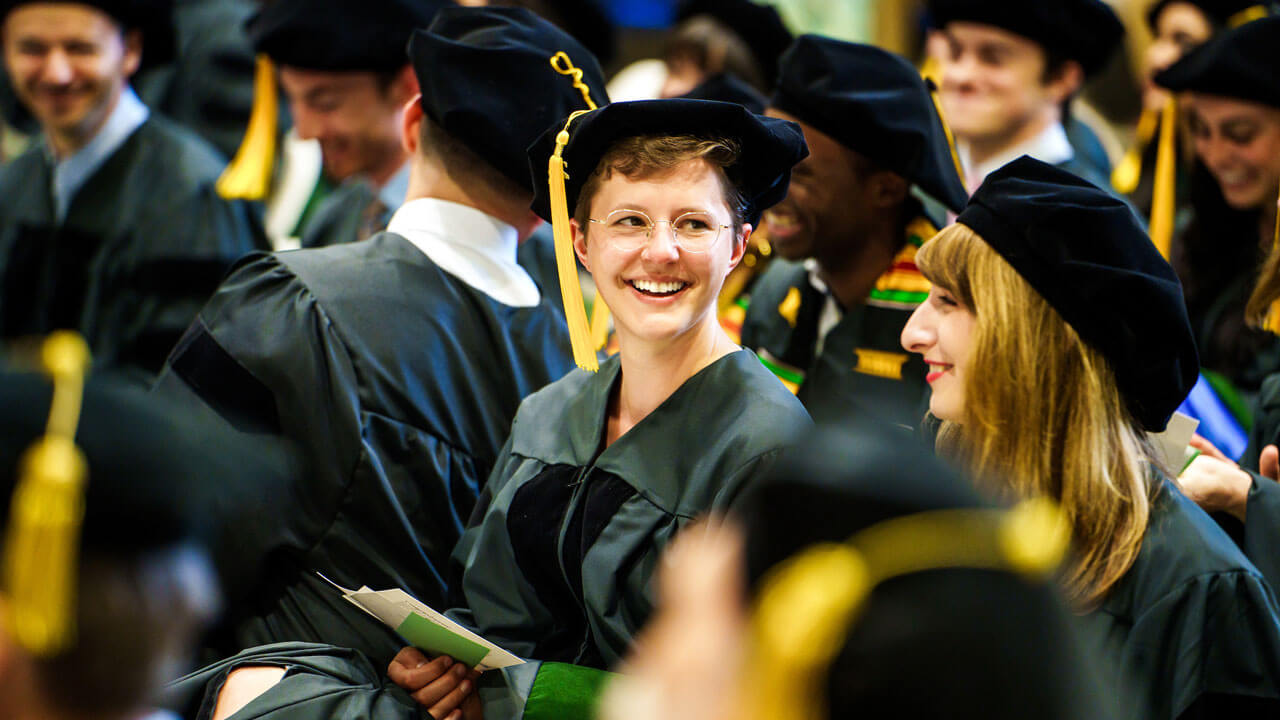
427, 629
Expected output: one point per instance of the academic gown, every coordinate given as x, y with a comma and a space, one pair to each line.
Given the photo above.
1193, 626
145, 242
320, 682
398, 382
558, 562
861, 368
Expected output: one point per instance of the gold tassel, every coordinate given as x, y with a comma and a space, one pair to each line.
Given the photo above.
1128, 172
248, 176
1248, 15
586, 338
566, 263
47, 512
1271, 322
1162, 196
946, 129
599, 323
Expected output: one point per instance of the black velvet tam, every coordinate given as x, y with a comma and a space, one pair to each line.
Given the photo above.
1086, 31
155, 478
726, 87
1240, 63
1086, 253
874, 103
153, 17
769, 147
759, 25
955, 643
1219, 12
487, 79
340, 35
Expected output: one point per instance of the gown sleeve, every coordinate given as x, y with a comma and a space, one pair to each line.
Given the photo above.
320, 682
1214, 642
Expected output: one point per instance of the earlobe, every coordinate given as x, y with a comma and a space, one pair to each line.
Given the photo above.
739, 247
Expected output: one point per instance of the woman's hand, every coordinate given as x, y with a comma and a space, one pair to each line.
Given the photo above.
1214, 482
443, 686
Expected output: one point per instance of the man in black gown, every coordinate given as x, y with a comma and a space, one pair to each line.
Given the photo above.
396, 364
110, 224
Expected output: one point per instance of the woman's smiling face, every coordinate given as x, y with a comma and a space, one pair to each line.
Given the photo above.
941, 330
659, 291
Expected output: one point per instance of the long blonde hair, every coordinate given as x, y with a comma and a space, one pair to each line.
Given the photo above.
1043, 415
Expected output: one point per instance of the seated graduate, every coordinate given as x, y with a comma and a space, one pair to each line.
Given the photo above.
1057, 339
827, 316
396, 364
97, 612
603, 468
1231, 95
881, 586
110, 224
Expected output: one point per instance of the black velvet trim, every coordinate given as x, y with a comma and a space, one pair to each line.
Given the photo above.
534, 520
222, 382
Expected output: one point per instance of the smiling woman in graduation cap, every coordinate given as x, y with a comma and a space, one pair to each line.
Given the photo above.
603, 468
1056, 339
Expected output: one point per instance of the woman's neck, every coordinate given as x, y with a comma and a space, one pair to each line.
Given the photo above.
651, 372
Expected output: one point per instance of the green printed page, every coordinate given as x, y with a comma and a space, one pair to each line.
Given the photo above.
435, 640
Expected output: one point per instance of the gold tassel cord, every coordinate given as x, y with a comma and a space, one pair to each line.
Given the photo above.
587, 338
1271, 322
1163, 194
248, 176
1248, 15
808, 603
566, 263
1128, 172
47, 512
946, 129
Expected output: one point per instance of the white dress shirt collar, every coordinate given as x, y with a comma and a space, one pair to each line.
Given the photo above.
476, 248
71, 173
1049, 145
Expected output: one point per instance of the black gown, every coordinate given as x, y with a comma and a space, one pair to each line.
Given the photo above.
861, 369
1193, 626
398, 383
145, 242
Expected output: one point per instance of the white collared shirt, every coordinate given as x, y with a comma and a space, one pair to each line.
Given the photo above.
476, 248
71, 173
1050, 146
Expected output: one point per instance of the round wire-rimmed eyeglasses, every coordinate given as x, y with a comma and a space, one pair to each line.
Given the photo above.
627, 230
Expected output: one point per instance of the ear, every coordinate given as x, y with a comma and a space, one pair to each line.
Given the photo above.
739, 247
888, 189
1066, 82
411, 124
579, 243
132, 52
405, 85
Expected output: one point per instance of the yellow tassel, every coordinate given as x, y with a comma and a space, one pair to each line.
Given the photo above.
1248, 15
248, 176
1162, 197
599, 323
586, 338
1128, 172
566, 264
46, 514
946, 129
1271, 322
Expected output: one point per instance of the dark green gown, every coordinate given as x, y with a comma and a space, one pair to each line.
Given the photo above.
1193, 626
145, 242
557, 563
862, 369
320, 682
398, 383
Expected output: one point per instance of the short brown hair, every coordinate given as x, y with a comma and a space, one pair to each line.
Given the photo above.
462, 163
644, 156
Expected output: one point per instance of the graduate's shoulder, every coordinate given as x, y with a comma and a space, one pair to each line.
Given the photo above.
1183, 552
773, 286
176, 154
760, 405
